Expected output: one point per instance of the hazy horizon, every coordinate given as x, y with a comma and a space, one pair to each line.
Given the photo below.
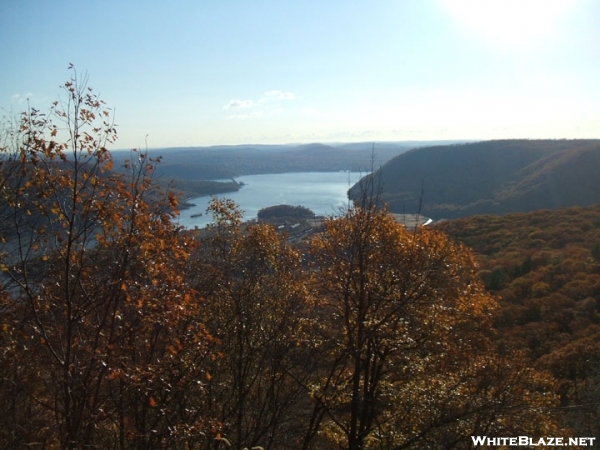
368, 144
197, 74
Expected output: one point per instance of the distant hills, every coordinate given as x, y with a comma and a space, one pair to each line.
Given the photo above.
492, 177
225, 162
195, 169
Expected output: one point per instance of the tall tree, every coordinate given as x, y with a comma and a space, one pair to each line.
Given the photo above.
101, 343
402, 326
254, 302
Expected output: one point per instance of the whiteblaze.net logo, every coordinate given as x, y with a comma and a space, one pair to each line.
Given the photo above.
526, 441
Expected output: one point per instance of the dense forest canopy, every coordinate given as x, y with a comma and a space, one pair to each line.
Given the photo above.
544, 266
492, 177
121, 330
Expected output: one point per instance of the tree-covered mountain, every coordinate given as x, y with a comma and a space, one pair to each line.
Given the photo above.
492, 177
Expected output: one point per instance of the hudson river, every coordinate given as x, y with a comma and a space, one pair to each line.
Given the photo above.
322, 192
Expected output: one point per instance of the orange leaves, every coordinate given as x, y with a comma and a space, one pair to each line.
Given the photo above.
187, 297
115, 374
395, 301
125, 291
176, 347
97, 270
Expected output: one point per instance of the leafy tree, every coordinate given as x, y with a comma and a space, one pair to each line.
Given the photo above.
254, 304
402, 327
101, 345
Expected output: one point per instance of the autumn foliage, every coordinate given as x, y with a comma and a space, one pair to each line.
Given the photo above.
101, 342
120, 330
544, 267
409, 362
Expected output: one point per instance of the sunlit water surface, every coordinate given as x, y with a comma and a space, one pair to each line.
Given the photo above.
322, 192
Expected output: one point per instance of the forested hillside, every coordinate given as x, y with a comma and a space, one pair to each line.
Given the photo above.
544, 268
120, 330
493, 177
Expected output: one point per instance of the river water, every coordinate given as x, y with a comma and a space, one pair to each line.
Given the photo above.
322, 192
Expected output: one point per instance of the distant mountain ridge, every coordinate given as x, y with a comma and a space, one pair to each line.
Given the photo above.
228, 161
492, 177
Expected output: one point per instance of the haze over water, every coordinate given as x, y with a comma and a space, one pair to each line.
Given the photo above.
322, 192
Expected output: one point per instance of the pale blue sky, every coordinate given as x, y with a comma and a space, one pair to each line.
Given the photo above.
206, 72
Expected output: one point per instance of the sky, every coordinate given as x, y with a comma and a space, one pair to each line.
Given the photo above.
207, 72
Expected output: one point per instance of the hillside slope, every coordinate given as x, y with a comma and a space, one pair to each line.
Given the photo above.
544, 269
493, 177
